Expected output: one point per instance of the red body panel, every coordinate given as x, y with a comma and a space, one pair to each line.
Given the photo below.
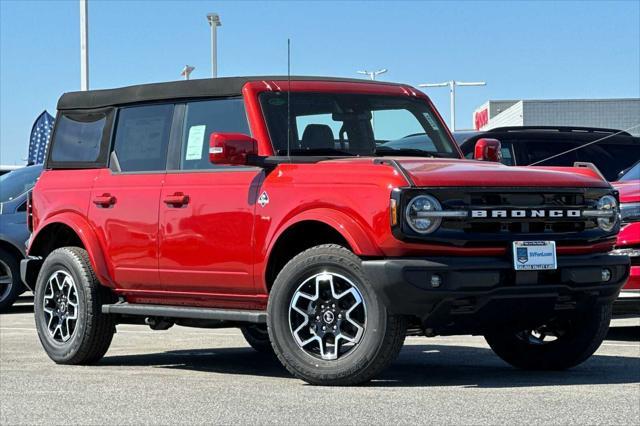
439, 172
629, 235
201, 238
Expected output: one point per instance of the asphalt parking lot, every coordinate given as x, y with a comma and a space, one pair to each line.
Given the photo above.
191, 376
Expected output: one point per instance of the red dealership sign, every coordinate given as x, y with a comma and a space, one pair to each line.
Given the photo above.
481, 118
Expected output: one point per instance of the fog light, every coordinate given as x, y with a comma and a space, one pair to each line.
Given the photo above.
606, 274
436, 280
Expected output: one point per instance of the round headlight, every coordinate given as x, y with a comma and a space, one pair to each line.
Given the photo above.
418, 217
608, 203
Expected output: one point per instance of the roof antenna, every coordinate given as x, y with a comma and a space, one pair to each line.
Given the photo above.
289, 99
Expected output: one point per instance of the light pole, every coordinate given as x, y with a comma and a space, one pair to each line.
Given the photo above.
84, 46
214, 22
373, 74
186, 71
452, 93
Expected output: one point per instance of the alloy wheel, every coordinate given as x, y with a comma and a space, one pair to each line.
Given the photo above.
6, 280
60, 306
327, 316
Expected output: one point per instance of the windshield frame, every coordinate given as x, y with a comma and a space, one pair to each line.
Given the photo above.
361, 88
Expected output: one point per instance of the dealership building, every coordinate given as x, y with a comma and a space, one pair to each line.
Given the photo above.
618, 114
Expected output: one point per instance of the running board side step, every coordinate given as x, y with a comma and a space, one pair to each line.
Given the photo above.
234, 315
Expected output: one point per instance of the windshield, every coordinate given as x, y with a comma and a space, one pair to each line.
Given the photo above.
632, 174
336, 124
15, 183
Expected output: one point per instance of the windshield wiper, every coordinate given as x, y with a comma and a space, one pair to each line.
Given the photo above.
409, 152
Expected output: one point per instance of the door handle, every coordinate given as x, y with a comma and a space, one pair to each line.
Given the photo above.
177, 200
104, 200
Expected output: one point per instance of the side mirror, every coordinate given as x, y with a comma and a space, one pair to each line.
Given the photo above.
488, 150
231, 148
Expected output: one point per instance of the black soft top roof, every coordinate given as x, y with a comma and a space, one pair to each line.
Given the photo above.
184, 89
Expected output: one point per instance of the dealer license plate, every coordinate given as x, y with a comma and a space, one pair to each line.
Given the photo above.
534, 255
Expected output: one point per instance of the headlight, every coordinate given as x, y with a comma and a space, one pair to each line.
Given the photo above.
418, 214
630, 212
608, 203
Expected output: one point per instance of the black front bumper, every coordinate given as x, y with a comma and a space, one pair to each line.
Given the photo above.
480, 293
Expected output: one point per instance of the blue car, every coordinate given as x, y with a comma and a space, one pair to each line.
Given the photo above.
14, 189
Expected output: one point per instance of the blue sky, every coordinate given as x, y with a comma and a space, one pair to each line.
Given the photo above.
531, 50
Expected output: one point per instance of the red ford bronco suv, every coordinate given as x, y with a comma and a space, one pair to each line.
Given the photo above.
327, 218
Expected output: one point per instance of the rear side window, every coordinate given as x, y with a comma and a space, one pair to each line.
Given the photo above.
142, 138
78, 138
206, 117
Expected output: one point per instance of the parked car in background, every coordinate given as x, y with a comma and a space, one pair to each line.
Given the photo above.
629, 238
522, 146
4, 169
14, 189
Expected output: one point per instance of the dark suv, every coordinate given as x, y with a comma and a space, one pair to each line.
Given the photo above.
522, 146
292, 209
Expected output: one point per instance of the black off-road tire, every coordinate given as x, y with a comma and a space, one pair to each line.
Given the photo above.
583, 337
10, 290
380, 343
94, 330
257, 336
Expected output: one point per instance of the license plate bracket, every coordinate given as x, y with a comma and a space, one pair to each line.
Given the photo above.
534, 255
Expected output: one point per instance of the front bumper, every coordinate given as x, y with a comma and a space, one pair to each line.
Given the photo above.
480, 293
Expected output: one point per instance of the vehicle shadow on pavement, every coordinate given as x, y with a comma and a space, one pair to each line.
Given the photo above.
417, 365
440, 365
245, 361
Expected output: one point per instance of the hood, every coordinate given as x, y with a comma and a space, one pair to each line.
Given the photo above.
445, 172
629, 191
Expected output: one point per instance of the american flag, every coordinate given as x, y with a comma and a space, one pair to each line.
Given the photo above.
40, 135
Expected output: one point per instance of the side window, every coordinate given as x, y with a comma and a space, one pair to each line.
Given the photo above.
78, 138
142, 137
22, 207
203, 118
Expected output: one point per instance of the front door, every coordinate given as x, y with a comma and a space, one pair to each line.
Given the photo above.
125, 199
207, 211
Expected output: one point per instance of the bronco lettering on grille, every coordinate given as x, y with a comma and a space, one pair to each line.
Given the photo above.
520, 213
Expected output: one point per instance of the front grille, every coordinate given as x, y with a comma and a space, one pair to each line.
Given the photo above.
520, 227
511, 200
487, 230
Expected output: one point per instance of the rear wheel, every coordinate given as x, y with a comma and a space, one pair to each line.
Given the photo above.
559, 345
257, 337
68, 301
10, 285
327, 325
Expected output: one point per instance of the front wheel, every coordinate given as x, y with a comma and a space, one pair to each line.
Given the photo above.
558, 345
327, 325
10, 283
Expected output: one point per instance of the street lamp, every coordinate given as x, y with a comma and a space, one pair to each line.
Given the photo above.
186, 71
214, 22
84, 46
373, 74
452, 93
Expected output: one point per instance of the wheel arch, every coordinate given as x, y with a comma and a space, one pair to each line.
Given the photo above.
311, 228
70, 229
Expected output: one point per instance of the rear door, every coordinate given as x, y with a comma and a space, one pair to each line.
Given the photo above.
124, 202
206, 237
